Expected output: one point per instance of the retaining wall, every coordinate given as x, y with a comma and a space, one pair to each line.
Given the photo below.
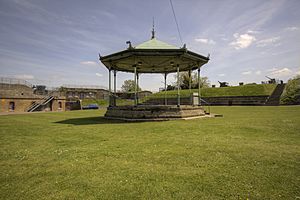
217, 101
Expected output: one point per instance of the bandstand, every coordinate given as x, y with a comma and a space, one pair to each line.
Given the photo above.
153, 56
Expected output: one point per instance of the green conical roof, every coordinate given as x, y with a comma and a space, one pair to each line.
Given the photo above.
155, 44
154, 56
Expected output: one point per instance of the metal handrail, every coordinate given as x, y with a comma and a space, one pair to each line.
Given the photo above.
208, 104
40, 102
70, 86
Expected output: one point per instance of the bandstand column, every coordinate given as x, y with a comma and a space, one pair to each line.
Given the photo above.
165, 88
137, 85
199, 92
178, 87
190, 81
115, 88
135, 96
109, 87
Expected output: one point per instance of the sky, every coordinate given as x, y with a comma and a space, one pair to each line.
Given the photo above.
56, 42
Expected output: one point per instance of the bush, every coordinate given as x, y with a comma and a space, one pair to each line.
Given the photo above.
291, 93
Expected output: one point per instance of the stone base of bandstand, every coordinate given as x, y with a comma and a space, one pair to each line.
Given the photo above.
154, 112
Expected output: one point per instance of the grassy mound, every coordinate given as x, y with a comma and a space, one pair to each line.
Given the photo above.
104, 103
244, 90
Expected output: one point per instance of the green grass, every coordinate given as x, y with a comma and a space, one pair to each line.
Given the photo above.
104, 103
244, 90
100, 102
252, 152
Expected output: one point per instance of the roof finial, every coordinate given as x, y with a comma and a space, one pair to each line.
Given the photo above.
153, 32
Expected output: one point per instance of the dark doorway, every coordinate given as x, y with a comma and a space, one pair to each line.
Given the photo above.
59, 105
11, 106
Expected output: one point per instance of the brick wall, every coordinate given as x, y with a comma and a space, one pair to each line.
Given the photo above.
22, 104
85, 93
56, 105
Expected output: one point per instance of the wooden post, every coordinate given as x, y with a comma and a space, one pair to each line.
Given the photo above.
178, 87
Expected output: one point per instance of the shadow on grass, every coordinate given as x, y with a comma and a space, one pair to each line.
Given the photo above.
90, 121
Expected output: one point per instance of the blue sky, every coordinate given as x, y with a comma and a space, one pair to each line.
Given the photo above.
57, 42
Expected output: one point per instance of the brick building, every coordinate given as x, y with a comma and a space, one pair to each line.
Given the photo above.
72, 92
20, 96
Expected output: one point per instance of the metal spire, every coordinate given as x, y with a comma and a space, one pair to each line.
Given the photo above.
153, 32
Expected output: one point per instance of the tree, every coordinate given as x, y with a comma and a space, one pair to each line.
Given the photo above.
129, 86
170, 87
291, 93
184, 81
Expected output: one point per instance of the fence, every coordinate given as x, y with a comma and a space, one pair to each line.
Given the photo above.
85, 87
14, 81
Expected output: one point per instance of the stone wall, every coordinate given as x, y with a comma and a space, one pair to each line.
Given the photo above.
17, 91
217, 101
22, 104
19, 87
22, 97
237, 100
58, 105
85, 93
126, 95
72, 105
153, 112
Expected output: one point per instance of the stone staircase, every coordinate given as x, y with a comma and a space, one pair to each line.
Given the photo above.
37, 105
274, 99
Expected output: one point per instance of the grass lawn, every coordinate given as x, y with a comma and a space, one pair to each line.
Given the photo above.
104, 103
244, 90
252, 152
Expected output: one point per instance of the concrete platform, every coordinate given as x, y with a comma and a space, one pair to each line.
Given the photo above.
154, 112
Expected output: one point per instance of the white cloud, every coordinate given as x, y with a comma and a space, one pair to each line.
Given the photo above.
298, 72
258, 72
272, 69
98, 74
268, 41
281, 72
24, 76
242, 41
88, 63
224, 39
236, 35
252, 32
292, 28
221, 75
205, 41
247, 73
